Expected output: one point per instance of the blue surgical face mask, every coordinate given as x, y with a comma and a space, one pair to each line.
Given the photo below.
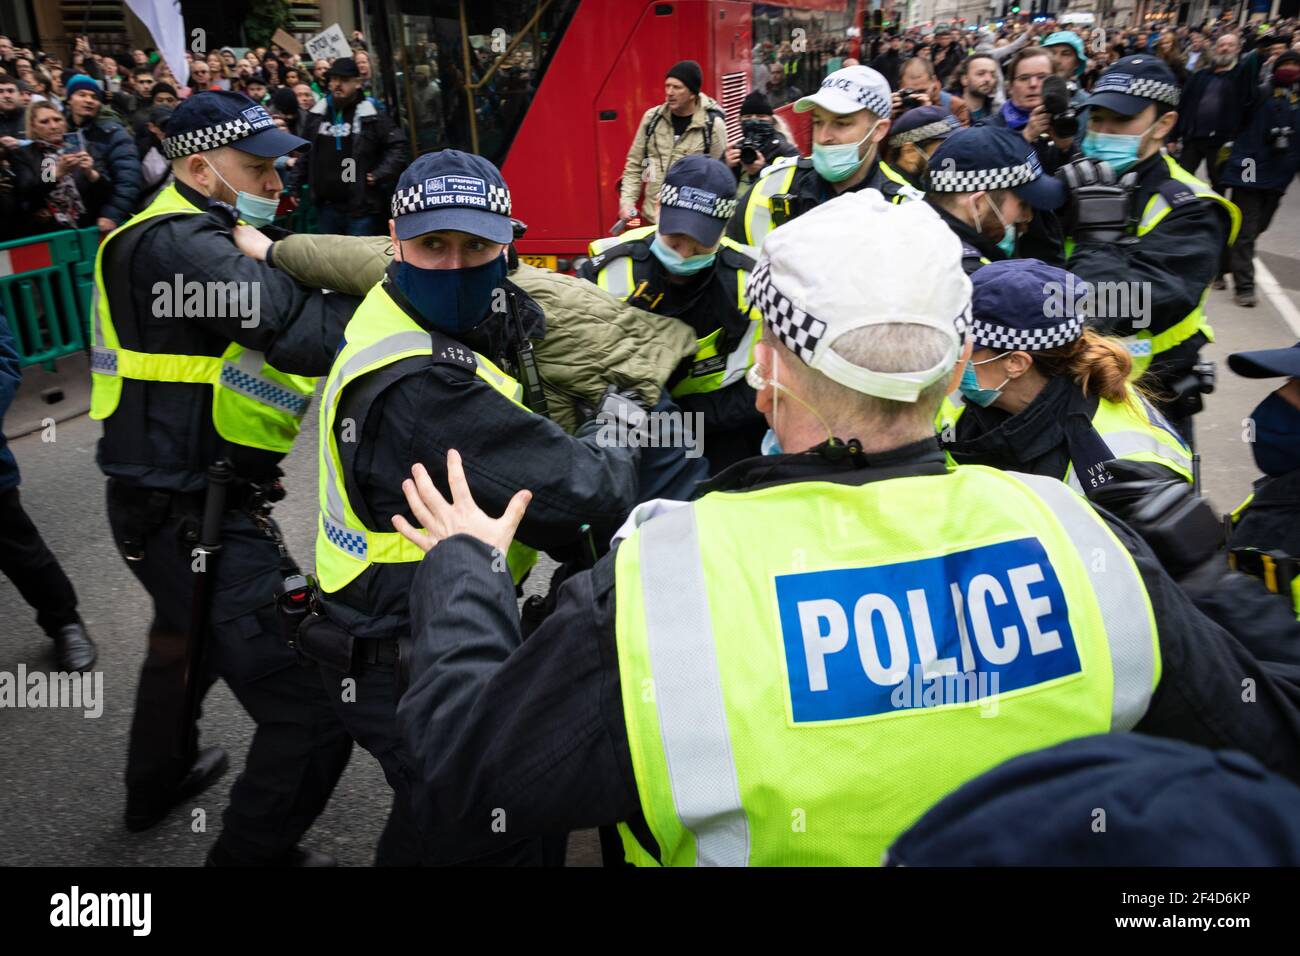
837, 163
1009, 232
771, 445
254, 210
451, 300
1277, 436
1117, 150
678, 264
971, 389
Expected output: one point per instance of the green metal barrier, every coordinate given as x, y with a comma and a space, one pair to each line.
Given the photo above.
46, 290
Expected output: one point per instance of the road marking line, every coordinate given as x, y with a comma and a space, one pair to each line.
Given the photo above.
1277, 295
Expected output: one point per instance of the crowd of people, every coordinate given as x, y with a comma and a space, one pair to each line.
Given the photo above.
930, 459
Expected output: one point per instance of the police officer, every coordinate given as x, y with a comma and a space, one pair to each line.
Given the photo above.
1264, 538
986, 183
203, 354
424, 370
850, 122
684, 267
913, 139
1157, 230
1043, 394
714, 682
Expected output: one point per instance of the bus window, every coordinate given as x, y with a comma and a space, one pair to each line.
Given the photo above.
795, 48
503, 46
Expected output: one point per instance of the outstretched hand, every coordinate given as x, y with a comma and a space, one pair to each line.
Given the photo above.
462, 515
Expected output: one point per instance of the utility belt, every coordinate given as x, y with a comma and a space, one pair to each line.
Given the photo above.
1279, 571
148, 509
316, 637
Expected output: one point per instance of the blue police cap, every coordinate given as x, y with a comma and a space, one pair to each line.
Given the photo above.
990, 157
697, 198
1025, 304
1267, 363
449, 189
921, 125
216, 118
1132, 84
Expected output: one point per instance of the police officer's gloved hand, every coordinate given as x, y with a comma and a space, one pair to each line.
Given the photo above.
614, 407
1175, 522
1098, 209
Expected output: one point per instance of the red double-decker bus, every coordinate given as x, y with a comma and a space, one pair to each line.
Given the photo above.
551, 90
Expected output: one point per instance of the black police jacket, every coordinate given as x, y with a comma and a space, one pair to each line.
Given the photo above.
1271, 521
537, 727
1174, 263
161, 435
416, 410
810, 190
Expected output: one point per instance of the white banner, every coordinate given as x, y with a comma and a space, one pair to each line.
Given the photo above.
167, 27
329, 44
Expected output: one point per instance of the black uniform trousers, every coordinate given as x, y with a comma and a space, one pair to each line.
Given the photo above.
34, 570
1257, 208
299, 749
368, 706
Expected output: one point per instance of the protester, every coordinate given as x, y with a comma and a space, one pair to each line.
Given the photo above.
54, 189
111, 145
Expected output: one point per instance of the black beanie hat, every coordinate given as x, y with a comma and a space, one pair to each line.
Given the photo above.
689, 72
284, 101
756, 104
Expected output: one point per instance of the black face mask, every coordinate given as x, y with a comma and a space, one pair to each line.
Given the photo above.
757, 130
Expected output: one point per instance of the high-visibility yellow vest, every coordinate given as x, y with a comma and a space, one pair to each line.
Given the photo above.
1143, 345
807, 668
253, 404
379, 334
777, 178
710, 368
1133, 431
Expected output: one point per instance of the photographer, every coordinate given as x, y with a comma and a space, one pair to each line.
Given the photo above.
764, 139
72, 197
920, 87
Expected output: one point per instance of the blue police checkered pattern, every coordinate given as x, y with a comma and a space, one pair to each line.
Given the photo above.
1001, 338
866, 97
103, 361
411, 199
797, 330
670, 195
976, 180
345, 539
268, 393
210, 137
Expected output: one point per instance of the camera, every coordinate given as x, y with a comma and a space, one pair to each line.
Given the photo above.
1056, 100
1279, 138
906, 100
756, 135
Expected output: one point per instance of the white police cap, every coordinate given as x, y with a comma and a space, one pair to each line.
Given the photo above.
857, 261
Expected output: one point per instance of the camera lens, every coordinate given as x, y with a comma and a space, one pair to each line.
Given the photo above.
748, 154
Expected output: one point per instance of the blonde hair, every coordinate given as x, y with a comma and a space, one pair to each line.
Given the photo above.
1098, 364
31, 117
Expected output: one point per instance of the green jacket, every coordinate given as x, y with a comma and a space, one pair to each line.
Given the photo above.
592, 339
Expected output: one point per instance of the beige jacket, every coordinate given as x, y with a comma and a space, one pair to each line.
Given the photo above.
648, 163
592, 339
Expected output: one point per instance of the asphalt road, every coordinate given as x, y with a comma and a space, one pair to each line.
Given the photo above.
61, 774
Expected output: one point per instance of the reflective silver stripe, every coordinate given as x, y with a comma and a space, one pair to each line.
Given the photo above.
385, 347
760, 224
617, 277
502, 384
1136, 442
688, 690
1121, 598
738, 360
1157, 207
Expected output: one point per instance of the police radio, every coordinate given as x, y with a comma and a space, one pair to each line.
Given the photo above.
526, 363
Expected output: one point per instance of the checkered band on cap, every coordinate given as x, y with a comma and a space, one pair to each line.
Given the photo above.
412, 199
1001, 338
867, 98
928, 131
210, 137
797, 330
715, 206
1156, 90
975, 180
